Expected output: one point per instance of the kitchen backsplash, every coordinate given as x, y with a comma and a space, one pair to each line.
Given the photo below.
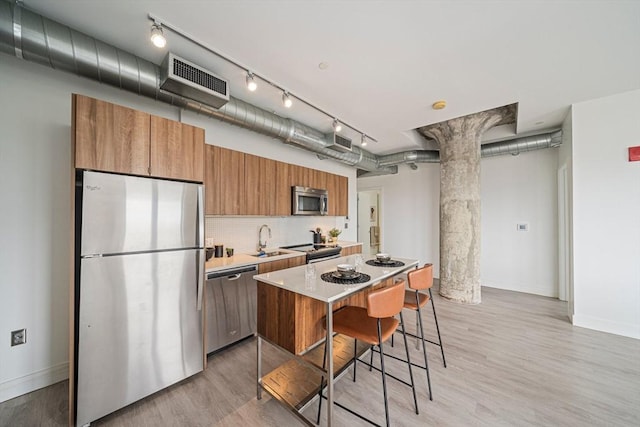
241, 233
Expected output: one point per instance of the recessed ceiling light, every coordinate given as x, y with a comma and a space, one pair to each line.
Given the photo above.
439, 105
323, 65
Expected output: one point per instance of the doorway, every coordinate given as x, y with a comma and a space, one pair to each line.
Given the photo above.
564, 243
369, 220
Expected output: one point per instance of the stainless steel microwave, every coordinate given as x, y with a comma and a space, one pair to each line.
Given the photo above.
309, 201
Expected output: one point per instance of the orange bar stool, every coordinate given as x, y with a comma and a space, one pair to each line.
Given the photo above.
422, 279
374, 325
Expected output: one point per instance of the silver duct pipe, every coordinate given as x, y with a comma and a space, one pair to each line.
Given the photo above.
521, 145
30, 36
35, 38
410, 157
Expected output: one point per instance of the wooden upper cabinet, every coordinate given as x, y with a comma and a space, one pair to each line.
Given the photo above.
267, 194
300, 176
110, 137
283, 189
212, 196
177, 150
342, 199
319, 179
332, 188
224, 181
229, 182
260, 190
243, 184
113, 138
338, 188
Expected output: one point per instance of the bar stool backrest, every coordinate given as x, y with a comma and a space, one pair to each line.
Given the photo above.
421, 278
386, 302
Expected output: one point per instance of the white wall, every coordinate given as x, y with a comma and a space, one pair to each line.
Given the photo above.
520, 189
606, 214
565, 154
409, 212
513, 189
35, 189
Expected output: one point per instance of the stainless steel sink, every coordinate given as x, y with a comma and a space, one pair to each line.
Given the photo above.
270, 254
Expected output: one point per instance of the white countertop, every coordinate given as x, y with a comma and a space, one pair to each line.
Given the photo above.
240, 260
293, 279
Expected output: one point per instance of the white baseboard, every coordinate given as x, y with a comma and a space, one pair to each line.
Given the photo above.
542, 291
605, 325
31, 382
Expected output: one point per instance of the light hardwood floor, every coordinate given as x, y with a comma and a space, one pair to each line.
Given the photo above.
512, 360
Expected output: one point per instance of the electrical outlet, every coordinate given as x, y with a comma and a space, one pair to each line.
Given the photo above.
18, 337
346, 225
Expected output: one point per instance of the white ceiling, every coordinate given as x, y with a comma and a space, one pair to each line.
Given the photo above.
390, 60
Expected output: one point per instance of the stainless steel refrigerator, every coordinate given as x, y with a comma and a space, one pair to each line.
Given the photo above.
139, 289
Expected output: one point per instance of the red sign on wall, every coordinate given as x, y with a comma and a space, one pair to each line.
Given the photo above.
634, 154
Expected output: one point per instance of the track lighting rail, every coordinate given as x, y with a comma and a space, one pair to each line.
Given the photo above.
252, 76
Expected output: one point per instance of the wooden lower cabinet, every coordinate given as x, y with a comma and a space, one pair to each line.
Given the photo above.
295, 322
281, 264
350, 250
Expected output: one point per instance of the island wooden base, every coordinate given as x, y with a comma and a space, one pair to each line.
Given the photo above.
295, 382
295, 322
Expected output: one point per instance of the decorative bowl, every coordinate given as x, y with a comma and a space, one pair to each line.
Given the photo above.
382, 257
346, 269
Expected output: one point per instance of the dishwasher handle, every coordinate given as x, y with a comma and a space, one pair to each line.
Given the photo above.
231, 272
234, 277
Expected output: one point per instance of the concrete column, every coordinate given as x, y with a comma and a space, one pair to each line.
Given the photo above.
459, 141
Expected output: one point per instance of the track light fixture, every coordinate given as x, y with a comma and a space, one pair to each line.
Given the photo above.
251, 82
286, 99
157, 35
160, 24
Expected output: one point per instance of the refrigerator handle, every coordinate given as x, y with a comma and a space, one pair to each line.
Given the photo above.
201, 260
200, 236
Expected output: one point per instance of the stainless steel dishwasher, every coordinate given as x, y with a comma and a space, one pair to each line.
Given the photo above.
231, 306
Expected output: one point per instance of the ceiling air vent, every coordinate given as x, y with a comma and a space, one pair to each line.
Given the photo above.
339, 142
185, 78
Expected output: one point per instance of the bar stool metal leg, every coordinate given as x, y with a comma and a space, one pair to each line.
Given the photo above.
406, 348
424, 348
384, 375
437, 328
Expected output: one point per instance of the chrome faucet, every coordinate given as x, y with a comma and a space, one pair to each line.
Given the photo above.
261, 245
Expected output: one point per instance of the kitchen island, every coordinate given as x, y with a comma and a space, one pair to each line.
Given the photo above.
291, 316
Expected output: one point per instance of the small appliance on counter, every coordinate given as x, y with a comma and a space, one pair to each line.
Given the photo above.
219, 251
317, 236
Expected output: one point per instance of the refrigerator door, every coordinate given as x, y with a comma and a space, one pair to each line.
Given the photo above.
139, 329
122, 214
